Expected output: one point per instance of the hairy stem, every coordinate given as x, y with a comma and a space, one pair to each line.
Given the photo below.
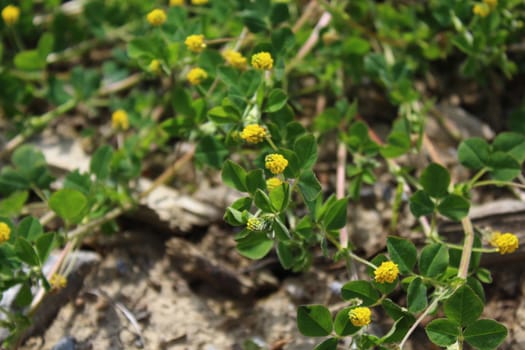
467, 247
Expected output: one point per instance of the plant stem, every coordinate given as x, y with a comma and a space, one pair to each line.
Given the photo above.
499, 183
340, 188
419, 319
467, 247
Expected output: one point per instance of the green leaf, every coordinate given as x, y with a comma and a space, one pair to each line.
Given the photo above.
100, 164
355, 45
485, 334
29, 161
68, 204
45, 45
362, 290
289, 253
220, 115
454, 207
24, 296
417, 296
398, 143
503, 167
211, 152
464, 306
280, 197
392, 309
11, 181
25, 252
342, 324
511, 143
234, 176
29, 60
473, 153
77, 181
276, 100
30, 228
306, 149
335, 216
433, 260
44, 244
13, 204
255, 245
314, 320
421, 204
442, 332
435, 180
281, 231
328, 344
279, 13
399, 329
255, 180
402, 252
484, 275
262, 201
309, 185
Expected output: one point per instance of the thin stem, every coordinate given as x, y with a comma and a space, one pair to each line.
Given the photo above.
270, 142
476, 177
467, 247
340, 188
419, 319
498, 183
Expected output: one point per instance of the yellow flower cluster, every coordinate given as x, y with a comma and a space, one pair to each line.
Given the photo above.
386, 273
276, 163
253, 133
484, 9
156, 17
199, 2
273, 182
119, 120
176, 2
254, 224
506, 243
5, 232
262, 60
58, 281
195, 43
491, 3
235, 59
360, 316
10, 15
196, 76
155, 67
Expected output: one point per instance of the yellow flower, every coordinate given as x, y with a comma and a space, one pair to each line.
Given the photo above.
360, 316
253, 133
276, 163
176, 2
505, 242
156, 17
386, 273
155, 67
196, 76
273, 183
10, 15
195, 43
254, 224
5, 232
119, 120
58, 281
262, 60
199, 2
481, 10
491, 3
235, 59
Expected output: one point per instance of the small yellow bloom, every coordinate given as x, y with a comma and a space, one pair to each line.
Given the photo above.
253, 133
176, 2
119, 120
254, 224
199, 2
197, 76
156, 17
58, 281
491, 3
273, 183
276, 163
506, 243
262, 60
5, 232
195, 43
387, 272
235, 59
155, 67
481, 10
10, 15
360, 316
